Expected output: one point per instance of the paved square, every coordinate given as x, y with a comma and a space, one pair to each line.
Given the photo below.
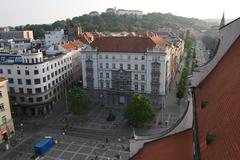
67, 155
73, 148
79, 157
54, 153
86, 150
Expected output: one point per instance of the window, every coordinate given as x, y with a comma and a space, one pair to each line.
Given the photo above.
52, 74
4, 119
28, 82
45, 88
1, 71
106, 56
20, 90
129, 66
44, 79
48, 76
37, 81
9, 71
22, 99
107, 65
136, 77
47, 68
136, 58
2, 107
136, 67
143, 67
30, 99
107, 84
142, 87
10, 80
39, 99
11, 90
18, 72
43, 70
0, 93
101, 84
26, 72
129, 57
101, 75
121, 66
107, 75
36, 72
114, 66
38, 90
46, 97
29, 90
113, 57
136, 87
100, 65
19, 81
143, 57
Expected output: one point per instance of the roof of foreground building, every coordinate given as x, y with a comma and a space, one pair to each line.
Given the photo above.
218, 111
169, 148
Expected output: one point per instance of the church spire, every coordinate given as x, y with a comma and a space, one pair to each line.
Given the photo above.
222, 21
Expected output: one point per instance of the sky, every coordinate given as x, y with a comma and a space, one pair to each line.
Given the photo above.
21, 12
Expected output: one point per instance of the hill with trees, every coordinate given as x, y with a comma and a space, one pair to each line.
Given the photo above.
113, 23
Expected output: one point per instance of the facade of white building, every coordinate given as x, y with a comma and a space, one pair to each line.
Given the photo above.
115, 67
129, 12
37, 82
54, 37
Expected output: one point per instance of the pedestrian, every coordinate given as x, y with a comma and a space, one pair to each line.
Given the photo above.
106, 139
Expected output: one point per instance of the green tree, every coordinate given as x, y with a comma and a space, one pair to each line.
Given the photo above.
78, 101
182, 86
139, 111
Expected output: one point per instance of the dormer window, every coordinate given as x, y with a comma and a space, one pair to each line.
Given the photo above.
203, 104
210, 138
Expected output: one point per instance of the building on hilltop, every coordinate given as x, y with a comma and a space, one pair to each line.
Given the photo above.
6, 121
37, 81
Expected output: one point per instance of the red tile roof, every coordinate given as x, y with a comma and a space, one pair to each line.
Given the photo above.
128, 44
72, 45
221, 116
175, 147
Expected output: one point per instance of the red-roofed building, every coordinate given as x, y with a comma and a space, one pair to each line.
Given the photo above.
116, 67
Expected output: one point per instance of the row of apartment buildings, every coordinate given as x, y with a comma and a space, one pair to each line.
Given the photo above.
111, 69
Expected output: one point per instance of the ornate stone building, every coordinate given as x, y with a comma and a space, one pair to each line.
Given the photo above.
115, 67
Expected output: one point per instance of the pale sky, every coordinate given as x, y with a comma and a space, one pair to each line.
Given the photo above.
21, 12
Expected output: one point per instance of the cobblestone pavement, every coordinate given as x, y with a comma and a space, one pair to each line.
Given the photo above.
71, 148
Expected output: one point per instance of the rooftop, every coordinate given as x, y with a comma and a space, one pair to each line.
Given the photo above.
221, 115
169, 148
128, 44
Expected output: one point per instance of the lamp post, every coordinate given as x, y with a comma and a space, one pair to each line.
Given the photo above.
66, 100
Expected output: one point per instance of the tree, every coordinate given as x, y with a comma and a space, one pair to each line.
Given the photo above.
139, 111
182, 86
78, 101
